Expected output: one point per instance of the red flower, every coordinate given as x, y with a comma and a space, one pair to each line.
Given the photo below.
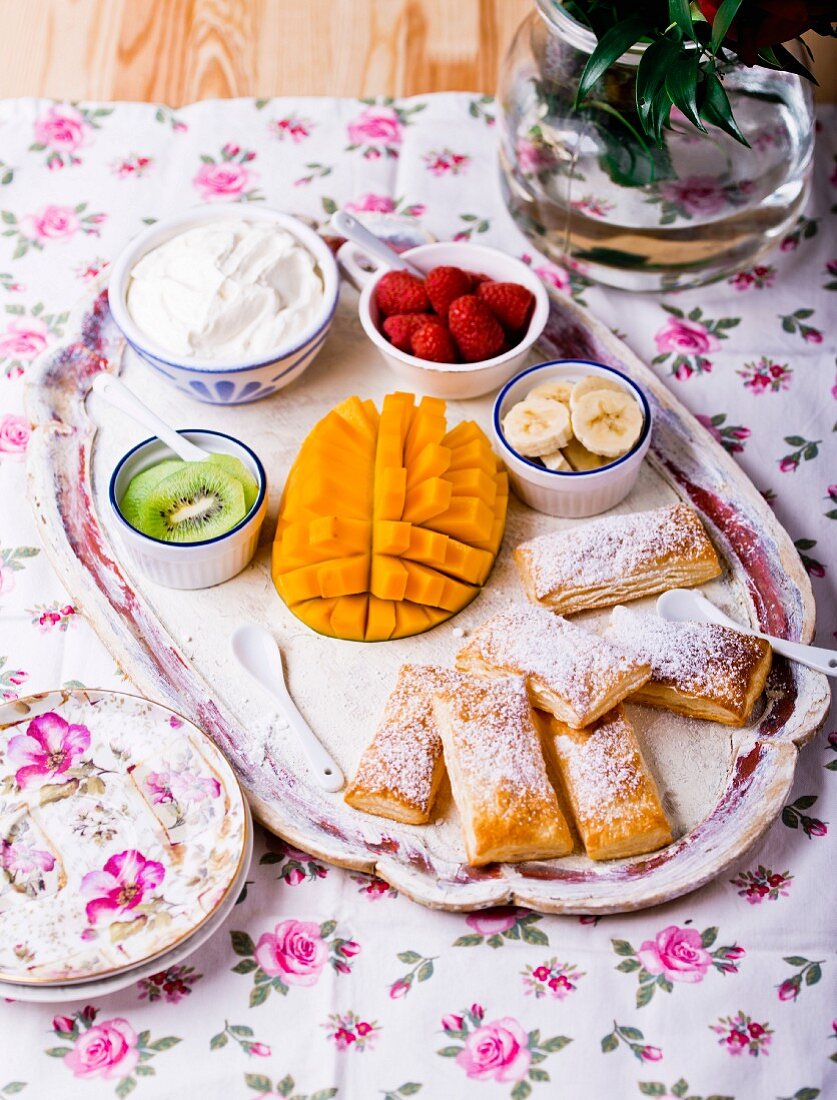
813, 336
400, 989
736, 952
344, 1036
763, 23
63, 1024
542, 973
363, 1028
756, 1030
651, 1054
788, 991
349, 948
788, 465
452, 1022
261, 1050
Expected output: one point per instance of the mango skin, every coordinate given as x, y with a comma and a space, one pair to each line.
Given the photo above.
389, 524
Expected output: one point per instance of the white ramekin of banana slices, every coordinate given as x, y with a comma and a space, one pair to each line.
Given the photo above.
573, 435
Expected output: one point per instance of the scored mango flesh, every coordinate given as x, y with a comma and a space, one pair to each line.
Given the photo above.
389, 523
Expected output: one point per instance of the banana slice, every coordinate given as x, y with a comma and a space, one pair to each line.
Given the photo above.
557, 390
592, 383
537, 427
556, 461
607, 423
580, 459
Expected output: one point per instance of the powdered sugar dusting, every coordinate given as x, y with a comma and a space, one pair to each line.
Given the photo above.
696, 658
572, 662
402, 756
604, 770
616, 547
496, 740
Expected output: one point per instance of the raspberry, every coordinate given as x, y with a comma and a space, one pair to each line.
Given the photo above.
433, 341
400, 328
511, 303
401, 292
475, 329
444, 284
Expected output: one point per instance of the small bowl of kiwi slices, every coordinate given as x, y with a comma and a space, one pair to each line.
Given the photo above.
190, 524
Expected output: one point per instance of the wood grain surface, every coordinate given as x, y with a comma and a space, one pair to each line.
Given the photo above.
177, 51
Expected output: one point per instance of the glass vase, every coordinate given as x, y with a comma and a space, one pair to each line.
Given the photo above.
591, 191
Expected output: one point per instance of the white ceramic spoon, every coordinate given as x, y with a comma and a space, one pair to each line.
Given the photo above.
373, 246
685, 605
256, 650
118, 395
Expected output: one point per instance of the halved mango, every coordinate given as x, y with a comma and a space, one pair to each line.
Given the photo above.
389, 523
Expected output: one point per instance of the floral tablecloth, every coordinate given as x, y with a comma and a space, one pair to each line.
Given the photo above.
362, 994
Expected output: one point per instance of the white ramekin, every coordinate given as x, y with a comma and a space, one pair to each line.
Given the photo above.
226, 382
451, 380
189, 564
559, 492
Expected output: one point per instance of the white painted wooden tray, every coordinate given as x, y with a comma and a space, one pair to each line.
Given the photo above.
722, 788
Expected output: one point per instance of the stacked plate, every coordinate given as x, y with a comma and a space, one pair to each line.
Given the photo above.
124, 842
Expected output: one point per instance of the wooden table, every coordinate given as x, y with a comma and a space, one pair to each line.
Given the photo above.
176, 51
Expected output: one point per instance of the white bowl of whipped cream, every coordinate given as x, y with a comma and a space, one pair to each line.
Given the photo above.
229, 304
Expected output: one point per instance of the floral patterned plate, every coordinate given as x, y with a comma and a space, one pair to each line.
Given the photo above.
122, 831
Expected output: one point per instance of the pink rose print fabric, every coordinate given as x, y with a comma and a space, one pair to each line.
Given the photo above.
328, 984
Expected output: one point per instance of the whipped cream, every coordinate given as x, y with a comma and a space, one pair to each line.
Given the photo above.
226, 290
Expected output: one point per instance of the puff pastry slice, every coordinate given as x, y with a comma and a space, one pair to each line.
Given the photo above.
570, 672
612, 793
401, 768
508, 808
617, 558
697, 669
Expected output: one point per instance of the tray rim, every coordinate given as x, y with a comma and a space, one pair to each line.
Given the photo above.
48, 487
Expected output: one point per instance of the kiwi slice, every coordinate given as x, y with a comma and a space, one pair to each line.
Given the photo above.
141, 485
236, 468
199, 501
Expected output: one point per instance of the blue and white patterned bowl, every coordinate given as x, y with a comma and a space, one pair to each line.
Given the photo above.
226, 382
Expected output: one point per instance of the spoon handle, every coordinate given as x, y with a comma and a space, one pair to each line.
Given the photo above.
821, 660
328, 773
373, 246
117, 394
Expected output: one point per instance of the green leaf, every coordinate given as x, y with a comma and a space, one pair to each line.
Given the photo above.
795, 440
13, 1087
805, 801
806, 1094
258, 995
242, 1029
681, 86
125, 1086
556, 1043
328, 205
783, 59
244, 967
803, 314
721, 23
610, 47
609, 1043
323, 1094
664, 983
708, 936
409, 957
680, 13
627, 965
644, 994
467, 941
286, 1086
660, 113
57, 1052
145, 1071
166, 1043
449, 1052
425, 971
681, 1087
538, 1075
622, 947
633, 1033
242, 944
789, 818
218, 1041
813, 975
715, 107
535, 936
409, 1089
259, 1082
521, 1090
327, 928
652, 1088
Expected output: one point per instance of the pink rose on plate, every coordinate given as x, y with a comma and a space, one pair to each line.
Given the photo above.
376, 126
184, 787
371, 203
496, 1051
51, 223
488, 922
687, 337
47, 749
295, 952
62, 128
554, 275
23, 339
107, 1050
695, 194
14, 435
227, 180
21, 859
676, 952
121, 885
